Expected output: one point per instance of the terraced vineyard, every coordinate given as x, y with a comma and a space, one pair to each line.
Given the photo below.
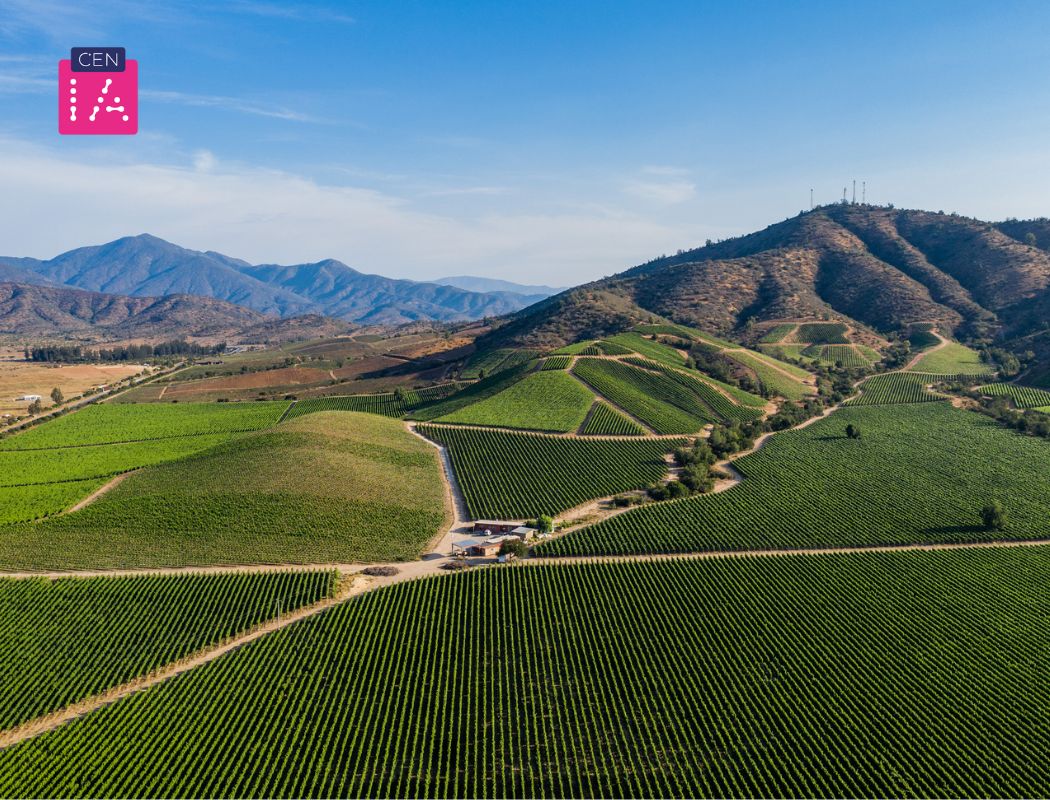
329, 487
651, 349
832, 354
651, 397
67, 639
758, 677
777, 333
100, 424
549, 400
492, 361
519, 475
896, 387
920, 473
489, 386
1023, 396
606, 420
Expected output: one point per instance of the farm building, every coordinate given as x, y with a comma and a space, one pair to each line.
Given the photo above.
28, 398
488, 526
490, 547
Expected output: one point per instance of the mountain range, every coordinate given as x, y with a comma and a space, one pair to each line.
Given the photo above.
873, 267
147, 266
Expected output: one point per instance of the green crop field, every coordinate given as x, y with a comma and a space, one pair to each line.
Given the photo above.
518, 475
606, 348
922, 340
920, 473
895, 387
549, 400
490, 362
777, 333
574, 349
606, 420
953, 359
649, 348
710, 392
820, 333
831, 354
38, 500
388, 404
784, 352
556, 362
770, 373
64, 640
329, 487
1023, 396
864, 675
489, 386
99, 424
651, 397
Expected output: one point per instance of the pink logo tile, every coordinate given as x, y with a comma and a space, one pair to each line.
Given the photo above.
98, 102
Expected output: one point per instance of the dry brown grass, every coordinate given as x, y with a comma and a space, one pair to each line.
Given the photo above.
18, 377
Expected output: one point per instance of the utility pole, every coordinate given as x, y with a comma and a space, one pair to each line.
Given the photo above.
854, 191
810, 199
863, 193
843, 195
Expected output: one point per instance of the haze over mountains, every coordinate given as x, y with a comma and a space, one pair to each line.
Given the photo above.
870, 266
146, 266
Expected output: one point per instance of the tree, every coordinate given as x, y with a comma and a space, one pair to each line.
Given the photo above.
852, 431
514, 547
545, 523
56, 396
35, 407
1029, 239
993, 515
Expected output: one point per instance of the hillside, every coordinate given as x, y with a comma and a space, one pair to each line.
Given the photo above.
870, 267
147, 266
46, 311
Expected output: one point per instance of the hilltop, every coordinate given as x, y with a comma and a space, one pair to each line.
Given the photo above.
870, 267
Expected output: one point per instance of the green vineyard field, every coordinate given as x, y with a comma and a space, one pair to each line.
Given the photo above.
646, 395
895, 387
487, 387
704, 388
772, 376
606, 420
519, 475
549, 400
865, 675
99, 424
820, 333
67, 639
1023, 396
39, 500
635, 342
556, 362
953, 359
330, 487
814, 487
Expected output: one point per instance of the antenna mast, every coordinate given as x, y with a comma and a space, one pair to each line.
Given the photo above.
810, 199
854, 191
864, 193
843, 195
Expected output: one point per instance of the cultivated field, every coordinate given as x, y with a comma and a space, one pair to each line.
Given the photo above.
953, 359
518, 475
328, 487
920, 473
869, 675
88, 634
549, 400
18, 378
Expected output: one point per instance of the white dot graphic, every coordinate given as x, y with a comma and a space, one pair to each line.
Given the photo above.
73, 100
125, 117
116, 99
99, 100
72, 81
72, 91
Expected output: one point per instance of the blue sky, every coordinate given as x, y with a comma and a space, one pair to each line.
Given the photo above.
535, 141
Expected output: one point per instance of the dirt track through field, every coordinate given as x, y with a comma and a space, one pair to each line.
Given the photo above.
923, 353
112, 483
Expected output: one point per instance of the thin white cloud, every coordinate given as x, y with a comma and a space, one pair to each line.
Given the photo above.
485, 191
271, 216
663, 192
299, 12
228, 104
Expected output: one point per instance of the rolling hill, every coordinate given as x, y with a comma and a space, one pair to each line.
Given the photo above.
870, 267
147, 266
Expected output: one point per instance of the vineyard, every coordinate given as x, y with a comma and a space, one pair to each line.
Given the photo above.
487, 387
651, 349
67, 639
777, 333
814, 487
713, 399
866, 675
819, 333
38, 500
323, 488
772, 376
492, 361
388, 404
101, 424
556, 362
519, 475
606, 420
1023, 396
549, 400
653, 398
896, 387
832, 354
953, 359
